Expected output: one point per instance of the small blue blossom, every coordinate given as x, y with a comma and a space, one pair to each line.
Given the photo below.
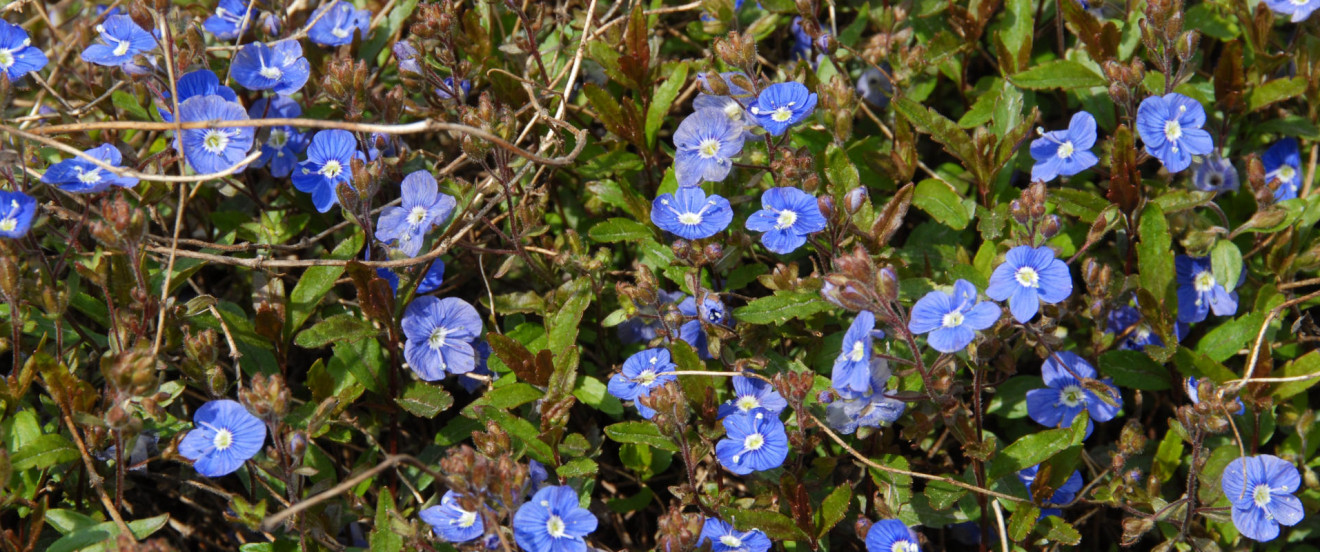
1261, 490
226, 436
471, 385
211, 150
451, 522
423, 208
435, 275
724, 538
1064, 152
1170, 126
1199, 292
952, 320
801, 49
1140, 334
1214, 174
447, 91
711, 311
280, 67
1298, 9
891, 535
18, 56
552, 521
753, 441
783, 105
282, 145
201, 82
16, 212
705, 144
231, 19
1065, 397
750, 394
1283, 167
329, 162
537, 475
872, 409
1063, 495
689, 214
336, 28
851, 376
875, 87
787, 215
1028, 277
1192, 393
406, 54
78, 175
439, 336
271, 23
642, 372
121, 39
732, 108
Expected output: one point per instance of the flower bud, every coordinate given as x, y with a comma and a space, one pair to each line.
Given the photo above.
887, 284
826, 204
856, 198
1049, 227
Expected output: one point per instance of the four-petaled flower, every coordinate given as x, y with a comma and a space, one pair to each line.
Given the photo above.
1170, 126
16, 212
280, 67
423, 207
211, 150
689, 214
1298, 9
1215, 174
783, 105
121, 39
329, 162
891, 535
231, 19
552, 521
281, 145
226, 436
78, 175
732, 108
1283, 168
201, 82
711, 311
787, 215
18, 56
1199, 292
451, 522
1063, 495
642, 372
1027, 277
952, 320
439, 336
753, 441
724, 538
705, 143
851, 376
750, 394
1065, 397
336, 27
1261, 490
1064, 152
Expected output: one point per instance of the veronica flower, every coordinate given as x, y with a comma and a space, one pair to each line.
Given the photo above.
471, 385
952, 320
329, 162
875, 87
16, 212
435, 275
423, 208
705, 143
689, 214
406, 54
271, 23
1215, 174
1283, 164
1063, 495
231, 19
1170, 126
801, 49
710, 310
852, 374
872, 409
336, 27
552, 521
1028, 277
451, 522
439, 336
537, 475
724, 538
750, 394
211, 150
642, 372
783, 105
449, 90
78, 175
225, 437
280, 67
18, 56
753, 441
281, 145
1064, 152
1298, 9
1199, 292
1261, 490
1059, 403
201, 82
732, 108
1192, 393
787, 215
891, 535
121, 39
1141, 334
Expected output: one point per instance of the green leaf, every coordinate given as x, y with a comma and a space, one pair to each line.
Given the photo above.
1155, 253
1133, 369
94, 538
562, 333
840, 170
1228, 338
942, 495
1061, 531
43, 452
1022, 522
832, 509
582, 467
337, 328
1275, 91
1082, 204
1226, 264
943, 130
640, 433
775, 525
316, 282
944, 204
592, 392
1060, 73
983, 108
68, 521
1168, 456
425, 400
664, 97
616, 230
522, 430
781, 307
128, 102
506, 397
383, 537
1030, 450
1307, 365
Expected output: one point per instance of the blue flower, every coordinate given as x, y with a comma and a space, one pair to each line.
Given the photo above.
643, 328
447, 91
423, 208
711, 311
552, 521
537, 475
78, 175
281, 145
732, 109
875, 87
1141, 334
336, 28
750, 394
406, 54
211, 150
16, 212
705, 143
870, 409
724, 538
1065, 397
201, 82
952, 319
783, 105
433, 278
1214, 174
801, 49
1299, 9
852, 368
471, 385
231, 19
891, 535
1065, 152
329, 162
642, 372
1192, 393
280, 67
1027, 277
787, 215
439, 336
270, 23
1063, 495
1170, 126
689, 214
753, 441
451, 522
1283, 164
225, 437
1199, 293
18, 56
1261, 490
121, 39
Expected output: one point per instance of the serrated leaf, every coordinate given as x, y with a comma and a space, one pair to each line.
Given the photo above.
775, 525
383, 537
840, 170
942, 203
1306, 365
616, 230
1135, 370
640, 433
1275, 91
582, 467
43, 452
522, 430
1226, 264
943, 130
1061, 531
1022, 522
943, 496
781, 307
832, 509
664, 97
337, 328
316, 282
1061, 73
1029, 450
1155, 253
425, 400
128, 102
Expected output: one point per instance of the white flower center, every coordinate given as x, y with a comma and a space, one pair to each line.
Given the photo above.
858, 351
417, 215
782, 114
340, 33
647, 377
278, 138
952, 320
1027, 277
8, 224
555, 526
754, 442
1142, 332
786, 219
1071, 396
122, 48
215, 141
1204, 282
1066, 149
690, 219
437, 338
466, 520
331, 169
733, 110
747, 402
708, 148
90, 177
1172, 130
223, 439
6, 59
731, 541
1300, 2
1261, 496
1285, 173
905, 546
272, 73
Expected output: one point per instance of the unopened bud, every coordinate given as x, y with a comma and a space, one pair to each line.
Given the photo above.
856, 198
826, 204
